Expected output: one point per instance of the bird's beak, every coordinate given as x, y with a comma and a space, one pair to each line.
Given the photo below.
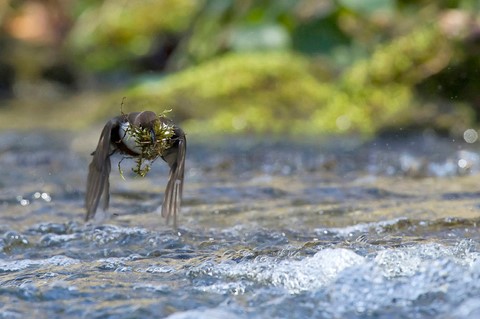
153, 136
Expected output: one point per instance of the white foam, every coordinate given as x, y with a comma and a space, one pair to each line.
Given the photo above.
17, 265
204, 314
295, 276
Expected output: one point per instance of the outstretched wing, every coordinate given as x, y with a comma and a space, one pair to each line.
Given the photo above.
175, 157
99, 171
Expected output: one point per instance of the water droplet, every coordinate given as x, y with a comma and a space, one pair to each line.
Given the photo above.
462, 163
46, 197
24, 202
470, 136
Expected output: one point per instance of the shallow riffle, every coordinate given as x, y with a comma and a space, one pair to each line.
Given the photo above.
339, 228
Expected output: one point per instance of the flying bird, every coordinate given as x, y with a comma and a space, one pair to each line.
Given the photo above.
144, 136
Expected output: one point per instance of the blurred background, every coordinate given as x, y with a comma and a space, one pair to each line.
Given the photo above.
293, 67
347, 184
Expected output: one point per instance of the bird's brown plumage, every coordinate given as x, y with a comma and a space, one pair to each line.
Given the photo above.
110, 141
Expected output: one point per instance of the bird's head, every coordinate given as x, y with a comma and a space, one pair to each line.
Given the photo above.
147, 120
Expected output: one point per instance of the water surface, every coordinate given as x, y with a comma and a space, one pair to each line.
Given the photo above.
269, 229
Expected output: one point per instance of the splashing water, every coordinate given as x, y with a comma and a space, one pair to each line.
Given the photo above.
268, 230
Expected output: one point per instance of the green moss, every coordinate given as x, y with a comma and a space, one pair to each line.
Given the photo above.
252, 92
151, 149
270, 93
407, 59
276, 92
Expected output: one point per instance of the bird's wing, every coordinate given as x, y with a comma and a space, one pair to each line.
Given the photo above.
99, 171
175, 157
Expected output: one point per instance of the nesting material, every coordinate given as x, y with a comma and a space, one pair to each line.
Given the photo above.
149, 144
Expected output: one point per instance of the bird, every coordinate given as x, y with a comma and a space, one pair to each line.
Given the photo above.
135, 135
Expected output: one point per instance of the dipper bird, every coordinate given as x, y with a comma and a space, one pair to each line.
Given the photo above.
144, 136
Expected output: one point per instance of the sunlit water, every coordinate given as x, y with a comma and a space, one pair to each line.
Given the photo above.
325, 229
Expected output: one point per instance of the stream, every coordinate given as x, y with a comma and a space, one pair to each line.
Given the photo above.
270, 228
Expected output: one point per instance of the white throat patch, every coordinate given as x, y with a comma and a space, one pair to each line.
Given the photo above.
128, 138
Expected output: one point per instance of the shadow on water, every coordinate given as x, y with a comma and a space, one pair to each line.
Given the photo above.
332, 229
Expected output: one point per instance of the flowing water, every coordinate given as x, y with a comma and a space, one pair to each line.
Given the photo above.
269, 229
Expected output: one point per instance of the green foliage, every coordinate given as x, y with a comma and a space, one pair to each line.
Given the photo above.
254, 92
407, 59
368, 6
274, 92
321, 36
295, 66
111, 33
270, 93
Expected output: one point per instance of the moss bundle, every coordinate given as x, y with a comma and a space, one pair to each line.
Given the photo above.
152, 144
